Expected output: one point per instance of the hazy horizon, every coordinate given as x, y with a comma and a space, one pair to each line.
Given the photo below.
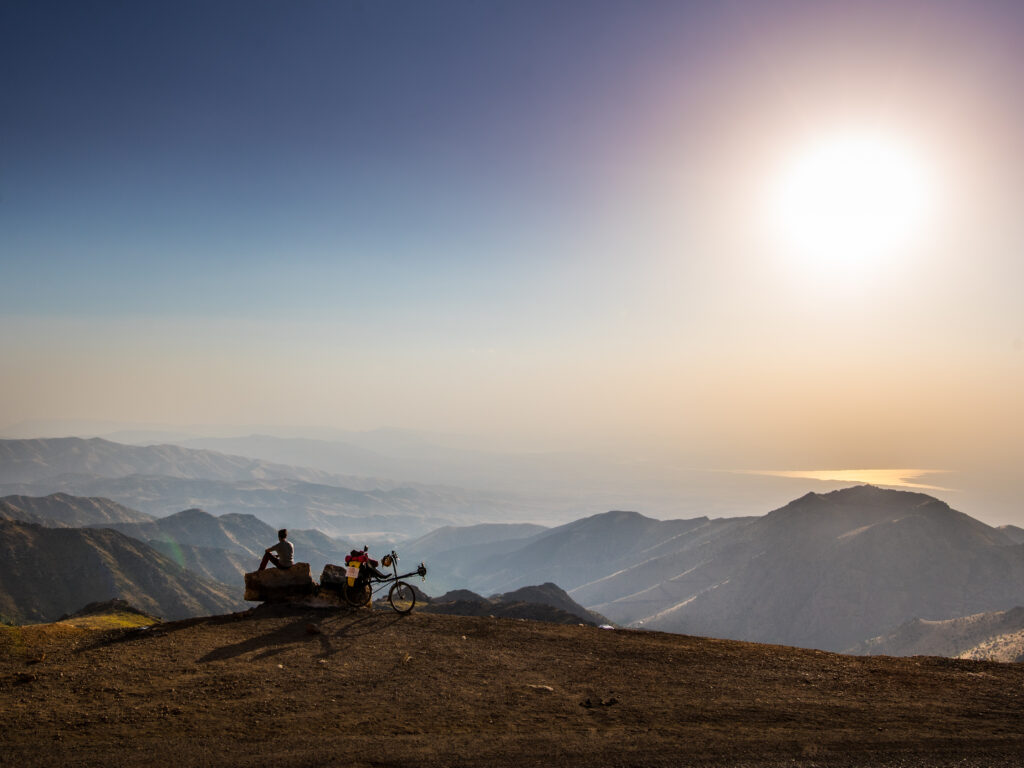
553, 487
771, 237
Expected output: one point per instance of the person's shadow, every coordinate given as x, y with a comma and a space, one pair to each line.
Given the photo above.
302, 631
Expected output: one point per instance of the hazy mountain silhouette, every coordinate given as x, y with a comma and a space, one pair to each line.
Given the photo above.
26, 461
542, 602
228, 546
64, 510
461, 555
163, 479
993, 636
558, 485
457, 538
48, 572
1012, 532
825, 571
554, 596
416, 457
571, 555
224, 565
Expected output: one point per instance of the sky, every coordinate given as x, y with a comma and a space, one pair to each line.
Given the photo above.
553, 226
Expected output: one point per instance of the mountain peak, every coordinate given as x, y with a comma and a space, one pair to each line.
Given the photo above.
617, 516
193, 513
858, 496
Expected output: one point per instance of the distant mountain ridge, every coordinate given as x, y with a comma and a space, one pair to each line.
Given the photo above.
541, 602
27, 461
222, 548
46, 573
230, 545
829, 569
589, 550
62, 509
824, 571
993, 636
164, 479
1012, 532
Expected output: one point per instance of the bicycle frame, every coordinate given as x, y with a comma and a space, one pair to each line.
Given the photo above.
380, 583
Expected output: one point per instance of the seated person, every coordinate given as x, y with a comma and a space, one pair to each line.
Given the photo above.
285, 552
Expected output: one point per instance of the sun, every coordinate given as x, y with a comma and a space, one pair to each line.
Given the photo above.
849, 199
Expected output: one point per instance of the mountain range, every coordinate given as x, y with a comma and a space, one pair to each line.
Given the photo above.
89, 564
48, 572
825, 571
26, 461
160, 480
992, 636
220, 548
66, 511
542, 602
228, 546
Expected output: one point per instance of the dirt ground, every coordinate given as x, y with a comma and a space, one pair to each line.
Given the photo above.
305, 687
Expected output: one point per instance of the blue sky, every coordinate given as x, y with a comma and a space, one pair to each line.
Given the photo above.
185, 150
536, 222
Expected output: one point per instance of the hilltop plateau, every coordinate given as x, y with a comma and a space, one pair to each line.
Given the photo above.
294, 687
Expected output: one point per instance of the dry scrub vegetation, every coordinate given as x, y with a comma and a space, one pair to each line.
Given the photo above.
301, 687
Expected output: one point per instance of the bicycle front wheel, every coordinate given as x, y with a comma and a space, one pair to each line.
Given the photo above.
402, 597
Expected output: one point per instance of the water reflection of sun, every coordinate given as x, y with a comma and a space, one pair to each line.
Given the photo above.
892, 478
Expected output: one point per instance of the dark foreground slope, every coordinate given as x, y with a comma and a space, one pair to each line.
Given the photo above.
304, 688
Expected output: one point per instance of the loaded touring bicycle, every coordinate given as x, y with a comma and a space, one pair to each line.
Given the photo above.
360, 580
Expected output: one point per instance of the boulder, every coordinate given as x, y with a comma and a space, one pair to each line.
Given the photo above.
334, 576
340, 583
276, 584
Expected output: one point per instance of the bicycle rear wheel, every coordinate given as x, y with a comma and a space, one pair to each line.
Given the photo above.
358, 594
402, 597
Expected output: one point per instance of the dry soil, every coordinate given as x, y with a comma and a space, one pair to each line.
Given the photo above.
304, 687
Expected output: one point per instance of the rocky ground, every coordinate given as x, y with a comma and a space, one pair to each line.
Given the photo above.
305, 687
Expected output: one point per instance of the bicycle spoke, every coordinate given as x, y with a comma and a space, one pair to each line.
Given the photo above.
402, 597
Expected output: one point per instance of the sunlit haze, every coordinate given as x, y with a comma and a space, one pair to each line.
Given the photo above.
852, 199
776, 237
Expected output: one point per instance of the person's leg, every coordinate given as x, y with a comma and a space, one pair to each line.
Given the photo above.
269, 558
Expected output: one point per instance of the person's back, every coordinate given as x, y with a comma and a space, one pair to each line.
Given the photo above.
284, 549
285, 553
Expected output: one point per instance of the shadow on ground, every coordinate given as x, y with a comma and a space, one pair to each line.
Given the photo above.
303, 630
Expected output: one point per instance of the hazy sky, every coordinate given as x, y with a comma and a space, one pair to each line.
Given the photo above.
547, 223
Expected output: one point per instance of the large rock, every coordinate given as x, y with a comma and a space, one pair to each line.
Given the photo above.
279, 583
339, 582
334, 576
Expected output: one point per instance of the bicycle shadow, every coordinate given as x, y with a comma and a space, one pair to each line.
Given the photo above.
302, 632
113, 637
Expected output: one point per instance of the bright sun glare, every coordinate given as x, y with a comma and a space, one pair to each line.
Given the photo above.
850, 199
